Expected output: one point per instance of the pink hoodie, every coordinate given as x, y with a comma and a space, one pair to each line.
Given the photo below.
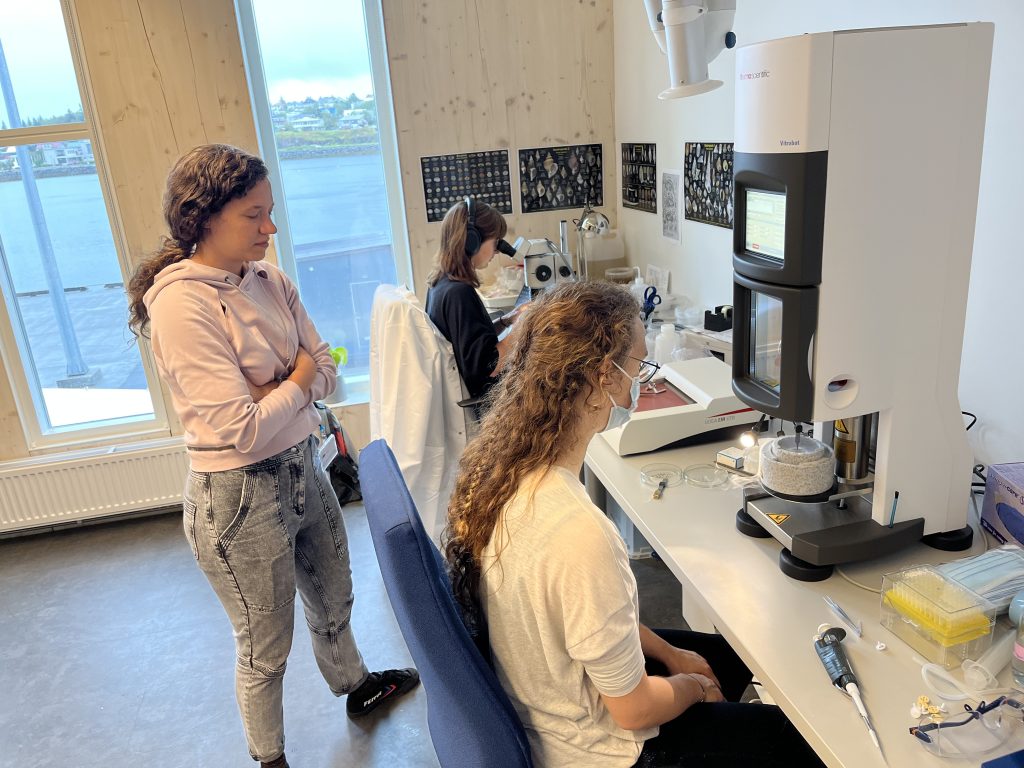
213, 330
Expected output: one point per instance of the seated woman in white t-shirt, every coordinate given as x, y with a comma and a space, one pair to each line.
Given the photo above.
551, 574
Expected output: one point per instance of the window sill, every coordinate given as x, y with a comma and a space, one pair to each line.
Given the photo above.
357, 392
359, 398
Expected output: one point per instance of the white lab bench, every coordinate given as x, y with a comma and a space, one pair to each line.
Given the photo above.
733, 583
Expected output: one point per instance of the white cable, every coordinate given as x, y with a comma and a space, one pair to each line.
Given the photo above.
977, 514
857, 583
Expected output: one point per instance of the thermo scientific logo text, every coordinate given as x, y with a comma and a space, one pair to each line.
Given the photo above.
754, 75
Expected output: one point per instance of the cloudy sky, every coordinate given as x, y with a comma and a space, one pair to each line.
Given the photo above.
310, 48
313, 48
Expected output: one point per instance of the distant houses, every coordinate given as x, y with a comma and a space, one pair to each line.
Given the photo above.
74, 156
328, 113
305, 123
8, 159
67, 153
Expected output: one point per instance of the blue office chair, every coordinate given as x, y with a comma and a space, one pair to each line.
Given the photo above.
472, 722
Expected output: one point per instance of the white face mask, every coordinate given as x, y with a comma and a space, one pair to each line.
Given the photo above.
620, 415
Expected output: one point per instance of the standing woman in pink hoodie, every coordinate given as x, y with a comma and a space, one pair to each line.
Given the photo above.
244, 363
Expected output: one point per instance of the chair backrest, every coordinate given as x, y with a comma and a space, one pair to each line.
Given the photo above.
472, 722
415, 388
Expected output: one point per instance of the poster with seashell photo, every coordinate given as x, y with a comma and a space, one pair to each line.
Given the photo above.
561, 177
707, 182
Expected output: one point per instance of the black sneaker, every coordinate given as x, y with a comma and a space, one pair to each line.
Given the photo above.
279, 762
380, 687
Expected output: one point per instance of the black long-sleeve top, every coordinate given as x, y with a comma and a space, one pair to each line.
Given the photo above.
457, 311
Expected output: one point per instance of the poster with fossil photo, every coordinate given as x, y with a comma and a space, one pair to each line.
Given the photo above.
640, 177
561, 177
484, 176
707, 182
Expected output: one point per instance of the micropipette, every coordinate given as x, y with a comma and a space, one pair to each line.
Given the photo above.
830, 650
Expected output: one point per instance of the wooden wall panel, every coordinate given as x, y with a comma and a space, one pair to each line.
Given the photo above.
12, 438
166, 76
470, 75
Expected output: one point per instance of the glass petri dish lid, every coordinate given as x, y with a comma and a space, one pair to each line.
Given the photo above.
705, 475
653, 474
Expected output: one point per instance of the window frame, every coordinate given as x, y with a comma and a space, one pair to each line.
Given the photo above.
28, 399
380, 75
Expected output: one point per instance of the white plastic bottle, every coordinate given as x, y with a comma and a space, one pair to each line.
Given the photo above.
651, 337
665, 342
1018, 658
637, 288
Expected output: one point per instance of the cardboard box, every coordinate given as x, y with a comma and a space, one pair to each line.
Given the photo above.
1002, 512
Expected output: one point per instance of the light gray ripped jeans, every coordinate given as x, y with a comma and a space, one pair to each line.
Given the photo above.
257, 533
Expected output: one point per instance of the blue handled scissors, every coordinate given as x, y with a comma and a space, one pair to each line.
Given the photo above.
651, 300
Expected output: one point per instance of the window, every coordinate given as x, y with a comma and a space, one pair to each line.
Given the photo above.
322, 104
76, 369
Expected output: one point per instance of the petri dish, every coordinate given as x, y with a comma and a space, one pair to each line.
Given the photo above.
652, 474
705, 475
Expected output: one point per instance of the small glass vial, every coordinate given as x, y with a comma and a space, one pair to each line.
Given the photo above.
1018, 658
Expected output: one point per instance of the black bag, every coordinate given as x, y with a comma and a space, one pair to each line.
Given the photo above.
343, 470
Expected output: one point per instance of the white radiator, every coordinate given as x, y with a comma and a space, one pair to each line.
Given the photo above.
66, 488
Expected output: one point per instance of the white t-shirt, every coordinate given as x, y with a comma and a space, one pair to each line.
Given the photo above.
563, 619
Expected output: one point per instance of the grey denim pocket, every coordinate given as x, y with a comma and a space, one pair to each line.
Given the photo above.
251, 536
189, 523
231, 494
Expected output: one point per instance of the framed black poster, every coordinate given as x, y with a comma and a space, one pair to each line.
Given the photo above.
707, 182
640, 177
561, 177
484, 176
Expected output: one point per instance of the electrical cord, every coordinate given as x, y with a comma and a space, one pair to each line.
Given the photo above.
977, 514
974, 419
856, 583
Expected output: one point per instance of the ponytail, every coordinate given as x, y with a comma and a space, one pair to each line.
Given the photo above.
170, 252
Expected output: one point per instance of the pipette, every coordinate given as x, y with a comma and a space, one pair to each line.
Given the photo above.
830, 650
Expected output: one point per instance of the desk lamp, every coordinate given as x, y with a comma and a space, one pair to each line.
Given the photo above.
590, 224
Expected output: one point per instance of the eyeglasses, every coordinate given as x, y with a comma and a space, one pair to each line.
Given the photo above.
647, 369
974, 732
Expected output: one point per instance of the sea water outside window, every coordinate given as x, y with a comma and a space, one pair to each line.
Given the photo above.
75, 367
319, 85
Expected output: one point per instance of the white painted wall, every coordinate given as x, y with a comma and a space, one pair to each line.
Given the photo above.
992, 370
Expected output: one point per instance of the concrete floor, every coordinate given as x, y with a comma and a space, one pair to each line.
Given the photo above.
114, 652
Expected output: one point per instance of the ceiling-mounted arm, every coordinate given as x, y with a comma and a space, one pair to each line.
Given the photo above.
692, 34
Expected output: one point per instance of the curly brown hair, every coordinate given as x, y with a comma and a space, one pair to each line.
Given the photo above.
200, 184
535, 411
451, 257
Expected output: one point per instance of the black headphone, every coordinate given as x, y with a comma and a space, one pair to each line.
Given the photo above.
473, 237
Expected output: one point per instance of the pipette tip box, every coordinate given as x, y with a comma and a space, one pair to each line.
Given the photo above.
939, 618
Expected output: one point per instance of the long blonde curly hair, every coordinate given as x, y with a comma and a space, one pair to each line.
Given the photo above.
534, 413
